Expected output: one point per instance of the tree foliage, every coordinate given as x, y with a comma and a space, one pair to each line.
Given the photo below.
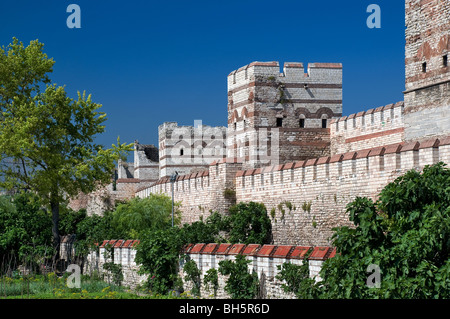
249, 223
137, 215
241, 284
405, 234
25, 228
47, 138
158, 254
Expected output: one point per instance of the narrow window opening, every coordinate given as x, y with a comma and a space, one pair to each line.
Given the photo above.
302, 123
445, 61
235, 126
324, 123
279, 122
424, 67
181, 152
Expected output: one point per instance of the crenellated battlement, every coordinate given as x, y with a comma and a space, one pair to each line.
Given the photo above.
293, 72
375, 127
299, 104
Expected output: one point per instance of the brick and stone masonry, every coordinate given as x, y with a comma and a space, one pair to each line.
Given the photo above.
326, 184
278, 117
427, 72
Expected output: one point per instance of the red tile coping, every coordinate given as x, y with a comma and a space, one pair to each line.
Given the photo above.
210, 248
256, 63
323, 160
325, 65
349, 156
197, 248
389, 106
293, 65
377, 151
311, 162
119, 243
336, 158
249, 172
299, 164
266, 251
332, 253
319, 253
379, 109
299, 252
434, 142
236, 249
288, 166
135, 243
257, 171
394, 148
444, 141
186, 249
240, 173
283, 251
411, 146
251, 249
267, 169
105, 242
363, 154
223, 249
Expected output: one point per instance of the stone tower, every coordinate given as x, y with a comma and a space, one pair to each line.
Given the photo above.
275, 118
427, 95
189, 149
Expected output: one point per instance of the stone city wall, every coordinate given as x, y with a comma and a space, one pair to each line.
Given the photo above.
305, 199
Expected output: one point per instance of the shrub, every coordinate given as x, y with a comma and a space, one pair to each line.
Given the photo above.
249, 224
240, 284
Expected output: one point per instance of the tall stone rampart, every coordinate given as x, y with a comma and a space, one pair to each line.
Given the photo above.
305, 199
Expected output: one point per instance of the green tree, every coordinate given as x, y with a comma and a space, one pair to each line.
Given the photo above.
208, 231
249, 223
47, 135
142, 214
240, 284
158, 254
405, 234
25, 228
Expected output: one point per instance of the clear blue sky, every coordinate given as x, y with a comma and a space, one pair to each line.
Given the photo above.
148, 62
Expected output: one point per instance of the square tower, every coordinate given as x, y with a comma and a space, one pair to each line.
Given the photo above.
189, 149
427, 72
275, 118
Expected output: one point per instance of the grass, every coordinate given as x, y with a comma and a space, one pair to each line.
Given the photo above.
53, 287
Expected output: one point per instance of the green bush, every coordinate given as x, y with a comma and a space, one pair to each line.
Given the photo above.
158, 254
138, 215
240, 283
405, 234
25, 228
193, 274
249, 223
